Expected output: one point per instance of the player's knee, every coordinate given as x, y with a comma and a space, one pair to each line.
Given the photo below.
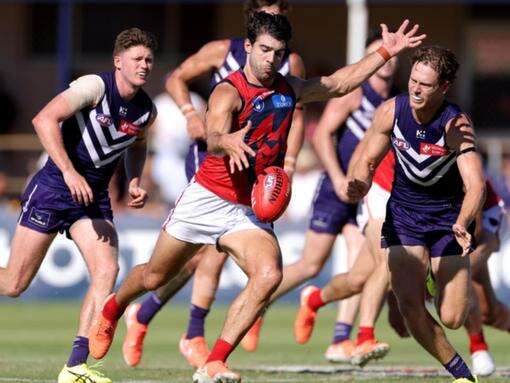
453, 319
356, 283
106, 271
15, 288
267, 280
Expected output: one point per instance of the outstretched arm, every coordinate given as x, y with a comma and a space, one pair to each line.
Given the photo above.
350, 77
370, 151
209, 57
460, 136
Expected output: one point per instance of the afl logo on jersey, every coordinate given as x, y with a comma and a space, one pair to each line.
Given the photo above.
281, 101
258, 104
401, 144
104, 120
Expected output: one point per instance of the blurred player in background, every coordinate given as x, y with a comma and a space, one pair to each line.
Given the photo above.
248, 121
85, 130
220, 57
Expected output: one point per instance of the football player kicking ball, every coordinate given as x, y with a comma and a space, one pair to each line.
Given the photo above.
438, 190
102, 117
247, 123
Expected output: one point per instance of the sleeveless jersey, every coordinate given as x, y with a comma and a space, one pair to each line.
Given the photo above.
236, 59
270, 111
385, 172
96, 137
426, 173
352, 131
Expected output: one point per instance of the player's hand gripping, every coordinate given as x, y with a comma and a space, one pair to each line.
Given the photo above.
355, 190
396, 42
195, 126
78, 186
463, 238
234, 146
137, 194
340, 187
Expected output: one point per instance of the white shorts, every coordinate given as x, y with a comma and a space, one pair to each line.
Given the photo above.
373, 206
492, 217
201, 217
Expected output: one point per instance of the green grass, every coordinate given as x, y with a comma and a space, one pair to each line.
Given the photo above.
35, 339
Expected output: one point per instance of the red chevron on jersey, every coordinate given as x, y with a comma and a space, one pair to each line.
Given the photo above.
270, 111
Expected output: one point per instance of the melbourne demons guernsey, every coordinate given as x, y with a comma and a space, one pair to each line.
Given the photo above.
352, 131
236, 59
96, 137
270, 112
426, 173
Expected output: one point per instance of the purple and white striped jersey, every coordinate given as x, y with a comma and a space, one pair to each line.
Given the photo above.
426, 174
96, 137
236, 59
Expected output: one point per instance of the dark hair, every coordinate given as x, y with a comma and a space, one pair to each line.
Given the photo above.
251, 6
441, 59
132, 37
277, 26
373, 35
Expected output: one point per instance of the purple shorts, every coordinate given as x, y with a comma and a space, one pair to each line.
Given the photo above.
51, 210
329, 213
405, 226
196, 155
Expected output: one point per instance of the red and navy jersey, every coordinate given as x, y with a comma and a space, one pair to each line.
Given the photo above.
270, 112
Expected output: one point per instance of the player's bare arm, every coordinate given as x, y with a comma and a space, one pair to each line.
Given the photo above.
134, 163
348, 78
209, 57
225, 101
460, 136
297, 131
46, 124
335, 114
370, 152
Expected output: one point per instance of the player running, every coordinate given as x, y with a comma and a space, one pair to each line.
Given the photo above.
248, 120
85, 130
221, 57
438, 190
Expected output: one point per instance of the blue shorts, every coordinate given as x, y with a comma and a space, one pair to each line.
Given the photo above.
329, 213
196, 155
51, 210
405, 226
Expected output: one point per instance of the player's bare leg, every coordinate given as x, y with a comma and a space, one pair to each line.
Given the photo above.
341, 286
408, 269
169, 257
28, 248
262, 265
192, 344
372, 300
341, 346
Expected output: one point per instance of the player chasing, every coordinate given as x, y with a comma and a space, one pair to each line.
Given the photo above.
221, 57
248, 122
438, 190
102, 117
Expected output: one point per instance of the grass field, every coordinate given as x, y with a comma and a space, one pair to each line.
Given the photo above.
35, 341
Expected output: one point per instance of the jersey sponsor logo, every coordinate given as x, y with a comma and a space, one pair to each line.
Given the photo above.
104, 120
123, 111
432, 149
129, 128
40, 218
282, 101
401, 144
420, 134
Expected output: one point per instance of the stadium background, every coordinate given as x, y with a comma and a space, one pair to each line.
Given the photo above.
45, 44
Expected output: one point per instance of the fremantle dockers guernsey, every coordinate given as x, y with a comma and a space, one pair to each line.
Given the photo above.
236, 59
95, 137
270, 112
426, 173
352, 131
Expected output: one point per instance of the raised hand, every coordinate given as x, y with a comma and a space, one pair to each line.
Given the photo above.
396, 42
137, 195
78, 186
236, 149
463, 238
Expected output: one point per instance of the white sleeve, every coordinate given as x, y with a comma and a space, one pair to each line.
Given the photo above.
85, 91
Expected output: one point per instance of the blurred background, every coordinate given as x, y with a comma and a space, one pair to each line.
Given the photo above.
45, 45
